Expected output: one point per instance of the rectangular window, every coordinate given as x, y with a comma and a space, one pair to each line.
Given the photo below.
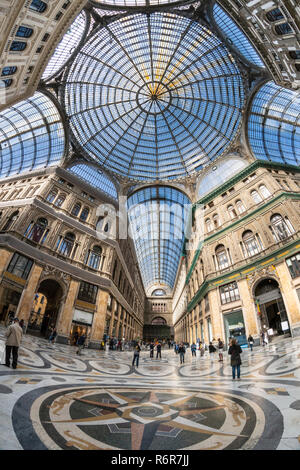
87, 292
293, 264
229, 293
20, 266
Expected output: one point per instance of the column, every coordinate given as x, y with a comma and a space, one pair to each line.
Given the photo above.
99, 319
27, 297
249, 309
65, 316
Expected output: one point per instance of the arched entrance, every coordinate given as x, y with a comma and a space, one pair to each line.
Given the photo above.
271, 308
45, 307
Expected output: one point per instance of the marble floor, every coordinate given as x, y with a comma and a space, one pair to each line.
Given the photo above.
56, 399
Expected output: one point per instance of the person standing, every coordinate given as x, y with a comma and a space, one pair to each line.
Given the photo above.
136, 355
158, 351
251, 342
202, 349
221, 349
13, 335
151, 349
53, 336
211, 350
80, 344
235, 350
193, 349
181, 351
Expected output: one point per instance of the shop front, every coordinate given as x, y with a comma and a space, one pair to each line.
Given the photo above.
234, 327
81, 324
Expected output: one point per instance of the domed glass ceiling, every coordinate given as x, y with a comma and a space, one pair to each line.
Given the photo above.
154, 96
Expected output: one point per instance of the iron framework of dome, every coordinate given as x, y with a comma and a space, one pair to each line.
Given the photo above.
153, 97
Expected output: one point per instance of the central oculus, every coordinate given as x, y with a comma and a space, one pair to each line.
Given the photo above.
153, 97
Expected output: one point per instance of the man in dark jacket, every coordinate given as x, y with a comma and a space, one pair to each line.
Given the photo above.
80, 344
235, 350
181, 351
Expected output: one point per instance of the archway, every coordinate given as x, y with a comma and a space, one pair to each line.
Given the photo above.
45, 307
271, 308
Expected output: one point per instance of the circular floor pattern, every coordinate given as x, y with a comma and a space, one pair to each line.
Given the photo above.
64, 361
110, 367
99, 418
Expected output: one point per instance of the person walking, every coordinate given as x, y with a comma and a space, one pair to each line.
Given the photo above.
181, 352
211, 350
251, 342
151, 349
193, 349
53, 336
158, 351
80, 344
234, 351
13, 336
136, 355
220, 349
201, 349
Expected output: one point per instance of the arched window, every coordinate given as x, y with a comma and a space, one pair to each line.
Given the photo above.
158, 321
38, 5
18, 46
283, 28
250, 243
222, 257
65, 244
93, 257
37, 231
274, 15
216, 220
256, 196
24, 32
280, 228
7, 82
209, 225
8, 71
76, 209
232, 211
264, 191
10, 220
84, 214
240, 206
60, 200
51, 196
159, 292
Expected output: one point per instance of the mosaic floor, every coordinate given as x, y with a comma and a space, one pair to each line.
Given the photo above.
58, 400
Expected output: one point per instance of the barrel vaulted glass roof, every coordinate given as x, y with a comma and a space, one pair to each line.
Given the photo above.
235, 35
95, 177
31, 136
157, 217
154, 96
136, 3
274, 124
67, 46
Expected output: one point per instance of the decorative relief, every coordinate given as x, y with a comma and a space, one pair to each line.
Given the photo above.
257, 275
64, 279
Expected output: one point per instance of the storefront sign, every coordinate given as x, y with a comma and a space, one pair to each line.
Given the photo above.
285, 326
83, 317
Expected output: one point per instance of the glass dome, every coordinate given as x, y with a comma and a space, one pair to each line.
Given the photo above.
154, 97
31, 136
67, 46
157, 217
95, 177
274, 124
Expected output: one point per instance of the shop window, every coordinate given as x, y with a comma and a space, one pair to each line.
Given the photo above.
24, 32
18, 46
229, 293
235, 327
8, 71
87, 292
20, 266
38, 6
293, 264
